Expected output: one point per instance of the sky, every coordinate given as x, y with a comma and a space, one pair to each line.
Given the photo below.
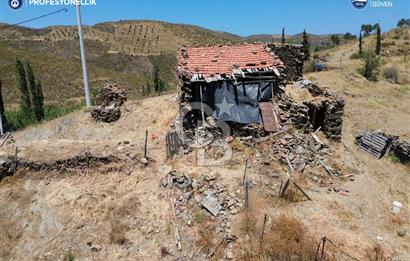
235, 16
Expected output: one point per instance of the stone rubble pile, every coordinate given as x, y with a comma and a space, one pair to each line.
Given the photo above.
401, 149
108, 103
205, 193
301, 150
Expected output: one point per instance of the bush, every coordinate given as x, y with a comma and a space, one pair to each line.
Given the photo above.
357, 56
391, 74
371, 66
16, 119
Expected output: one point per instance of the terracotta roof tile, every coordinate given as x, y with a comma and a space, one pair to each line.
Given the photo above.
222, 59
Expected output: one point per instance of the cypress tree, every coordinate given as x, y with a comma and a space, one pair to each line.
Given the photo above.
2, 110
306, 45
38, 101
36, 94
283, 40
379, 39
25, 95
31, 83
360, 43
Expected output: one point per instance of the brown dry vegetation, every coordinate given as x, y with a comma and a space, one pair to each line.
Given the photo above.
126, 216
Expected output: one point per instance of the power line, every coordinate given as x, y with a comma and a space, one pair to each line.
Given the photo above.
36, 18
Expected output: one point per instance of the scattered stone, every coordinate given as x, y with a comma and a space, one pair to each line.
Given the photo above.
401, 233
211, 204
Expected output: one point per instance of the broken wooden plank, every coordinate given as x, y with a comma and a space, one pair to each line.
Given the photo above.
174, 221
285, 187
4, 140
328, 170
316, 138
291, 169
301, 190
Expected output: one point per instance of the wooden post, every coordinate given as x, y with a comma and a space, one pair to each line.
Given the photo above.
246, 184
263, 228
15, 161
202, 104
146, 144
244, 173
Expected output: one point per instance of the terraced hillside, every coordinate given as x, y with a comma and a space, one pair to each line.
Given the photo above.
124, 52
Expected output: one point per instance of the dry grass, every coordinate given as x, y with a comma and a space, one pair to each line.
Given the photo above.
285, 237
377, 253
117, 234
206, 239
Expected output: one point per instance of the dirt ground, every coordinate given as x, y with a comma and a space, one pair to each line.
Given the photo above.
122, 213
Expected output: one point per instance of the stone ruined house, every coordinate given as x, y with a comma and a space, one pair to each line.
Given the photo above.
244, 86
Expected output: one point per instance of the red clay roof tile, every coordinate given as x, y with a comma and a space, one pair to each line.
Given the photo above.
222, 59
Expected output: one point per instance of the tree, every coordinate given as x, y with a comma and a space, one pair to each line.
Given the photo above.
36, 94
367, 29
283, 40
159, 84
335, 39
25, 95
2, 110
306, 45
378, 40
371, 66
349, 36
403, 23
38, 101
360, 43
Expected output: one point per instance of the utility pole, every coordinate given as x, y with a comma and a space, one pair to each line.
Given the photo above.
83, 58
1, 125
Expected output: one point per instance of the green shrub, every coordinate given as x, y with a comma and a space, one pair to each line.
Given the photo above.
357, 56
371, 66
17, 120
391, 74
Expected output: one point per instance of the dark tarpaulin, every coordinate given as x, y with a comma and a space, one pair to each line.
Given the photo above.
237, 103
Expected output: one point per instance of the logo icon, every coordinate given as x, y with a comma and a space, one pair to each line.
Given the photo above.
15, 4
359, 4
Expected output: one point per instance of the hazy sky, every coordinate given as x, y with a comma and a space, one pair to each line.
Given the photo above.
235, 16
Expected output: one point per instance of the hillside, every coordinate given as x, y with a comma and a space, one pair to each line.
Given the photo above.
124, 52
122, 210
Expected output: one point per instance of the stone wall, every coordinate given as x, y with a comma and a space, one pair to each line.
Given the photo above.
293, 57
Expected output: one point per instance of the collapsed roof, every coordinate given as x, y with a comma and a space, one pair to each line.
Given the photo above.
221, 62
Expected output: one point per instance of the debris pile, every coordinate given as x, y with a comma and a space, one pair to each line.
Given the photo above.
401, 149
206, 193
108, 103
300, 150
